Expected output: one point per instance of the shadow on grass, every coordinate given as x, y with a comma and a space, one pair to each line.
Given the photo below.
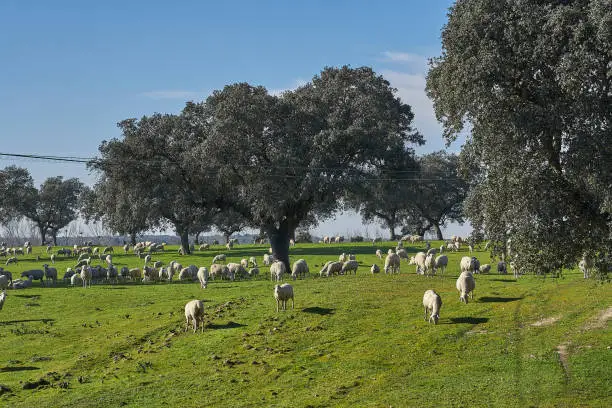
504, 280
228, 325
498, 299
12, 369
26, 296
26, 321
323, 311
470, 320
115, 287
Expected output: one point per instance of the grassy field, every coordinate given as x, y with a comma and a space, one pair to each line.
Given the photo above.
357, 341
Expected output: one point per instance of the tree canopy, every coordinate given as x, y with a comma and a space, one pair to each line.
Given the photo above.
531, 82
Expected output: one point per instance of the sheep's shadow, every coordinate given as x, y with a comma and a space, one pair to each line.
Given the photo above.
26, 321
228, 325
26, 296
489, 299
13, 369
323, 311
469, 320
503, 280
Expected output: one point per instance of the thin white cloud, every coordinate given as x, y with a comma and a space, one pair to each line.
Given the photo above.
296, 84
414, 62
172, 94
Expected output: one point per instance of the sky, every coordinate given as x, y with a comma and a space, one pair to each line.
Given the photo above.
70, 70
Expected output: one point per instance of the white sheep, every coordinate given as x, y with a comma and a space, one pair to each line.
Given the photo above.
86, 276
220, 271
466, 264
419, 261
147, 259
432, 302
2, 298
204, 247
203, 277
76, 280
229, 245
466, 285
441, 262
402, 253
282, 293
429, 269
299, 269
342, 258
237, 270
585, 265
330, 268
277, 269
375, 269
219, 258
379, 253
194, 311
349, 266
486, 268
252, 262
392, 263
52, 258
268, 259
244, 262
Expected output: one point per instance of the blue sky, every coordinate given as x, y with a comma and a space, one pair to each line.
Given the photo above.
71, 70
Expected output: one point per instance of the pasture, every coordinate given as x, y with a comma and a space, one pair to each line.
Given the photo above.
356, 340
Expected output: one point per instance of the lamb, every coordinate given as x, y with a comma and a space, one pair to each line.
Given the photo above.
375, 269
392, 263
36, 274
486, 268
300, 268
419, 261
2, 298
282, 293
203, 277
219, 258
253, 262
432, 302
277, 270
50, 273
441, 262
501, 268
194, 311
349, 266
379, 253
466, 285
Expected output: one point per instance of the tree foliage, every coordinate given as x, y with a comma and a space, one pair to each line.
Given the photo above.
533, 79
16, 190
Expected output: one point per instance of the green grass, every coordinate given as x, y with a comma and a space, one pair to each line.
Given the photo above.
357, 341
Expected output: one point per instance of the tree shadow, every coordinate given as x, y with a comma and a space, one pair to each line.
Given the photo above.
504, 280
498, 299
323, 311
26, 321
469, 320
26, 296
228, 325
115, 287
12, 369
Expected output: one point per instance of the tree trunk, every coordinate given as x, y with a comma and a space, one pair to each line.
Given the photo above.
54, 236
197, 238
227, 237
133, 238
279, 240
185, 241
43, 232
391, 226
438, 232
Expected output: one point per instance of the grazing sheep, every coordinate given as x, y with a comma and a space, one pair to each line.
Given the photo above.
349, 266
253, 272
76, 280
419, 261
36, 274
466, 264
194, 311
343, 258
282, 293
157, 264
432, 302
135, 274
253, 262
2, 298
217, 270
203, 277
299, 269
108, 250
379, 253
429, 269
50, 273
277, 269
112, 273
11, 260
431, 251
219, 258
466, 285
124, 273
147, 259
402, 253
229, 246
330, 268
268, 259
8, 274
501, 268
441, 262
486, 268
375, 269
392, 263
237, 270
95, 251
83, 262
204, 247
4, 282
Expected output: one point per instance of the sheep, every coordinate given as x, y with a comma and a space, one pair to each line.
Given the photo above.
124, 273
52, 258
49, 248
147, 259
219, 258
402, 253
379, 253
253, 262
112, 273
390, 251
441, 262
237, 270
8, 274
419, 261
162, 273
501, 268
108, 259
442, 248
194, 311
486, 268
300, 268
475, 265
36, 274
83, 262
349, 266
184, 274
86, 276
12, 259
2, 298
95, 251
466, 285
50, 273
375, 269
431, 251
4, 282
342, 258
268, 259
270, 251
466, 264
203, 277
326, 240
22, 284
204, 247
330, 268
282, 293
429, 269
292, 242
585, 266
135, 273
471, 248
392, 263
157, 264
76, 280
126, 248
277, 270
108, 249
432, 302
217, 270
253, 272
